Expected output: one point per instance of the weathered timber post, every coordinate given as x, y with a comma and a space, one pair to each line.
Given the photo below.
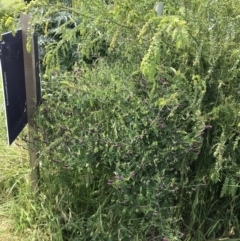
31, 97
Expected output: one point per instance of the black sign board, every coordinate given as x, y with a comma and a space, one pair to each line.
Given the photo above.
12, 66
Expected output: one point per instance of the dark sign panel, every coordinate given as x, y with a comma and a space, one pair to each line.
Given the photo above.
12, 65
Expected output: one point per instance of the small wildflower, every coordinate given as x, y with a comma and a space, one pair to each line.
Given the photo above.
207, 127
118, 177
132, 174
154, 213
56, 161
180, 105
65, 166
161, 126
162, 80
63, 128
195, 145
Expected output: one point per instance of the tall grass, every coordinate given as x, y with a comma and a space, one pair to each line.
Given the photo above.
13, 168
14, 177
23, 215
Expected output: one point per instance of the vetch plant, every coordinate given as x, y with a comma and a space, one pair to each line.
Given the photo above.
139, 135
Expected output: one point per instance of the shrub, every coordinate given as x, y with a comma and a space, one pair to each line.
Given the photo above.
125, 151
142, 143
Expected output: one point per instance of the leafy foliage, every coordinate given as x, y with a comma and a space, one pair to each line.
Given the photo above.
139, 133
9, 17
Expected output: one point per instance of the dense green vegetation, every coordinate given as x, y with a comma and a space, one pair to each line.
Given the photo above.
6, 3
138, 132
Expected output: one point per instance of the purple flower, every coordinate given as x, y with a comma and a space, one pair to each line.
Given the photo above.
207, 127
162, 80
56, 161
65, 166
63, 128
180, 105
132, 174
195, 145
118, 177
161, 126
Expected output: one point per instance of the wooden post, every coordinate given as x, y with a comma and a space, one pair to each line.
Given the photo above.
31, 95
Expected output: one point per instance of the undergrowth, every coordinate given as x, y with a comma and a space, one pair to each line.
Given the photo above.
138, 132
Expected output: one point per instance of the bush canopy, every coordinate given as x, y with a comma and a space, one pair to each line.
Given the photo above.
138, 132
